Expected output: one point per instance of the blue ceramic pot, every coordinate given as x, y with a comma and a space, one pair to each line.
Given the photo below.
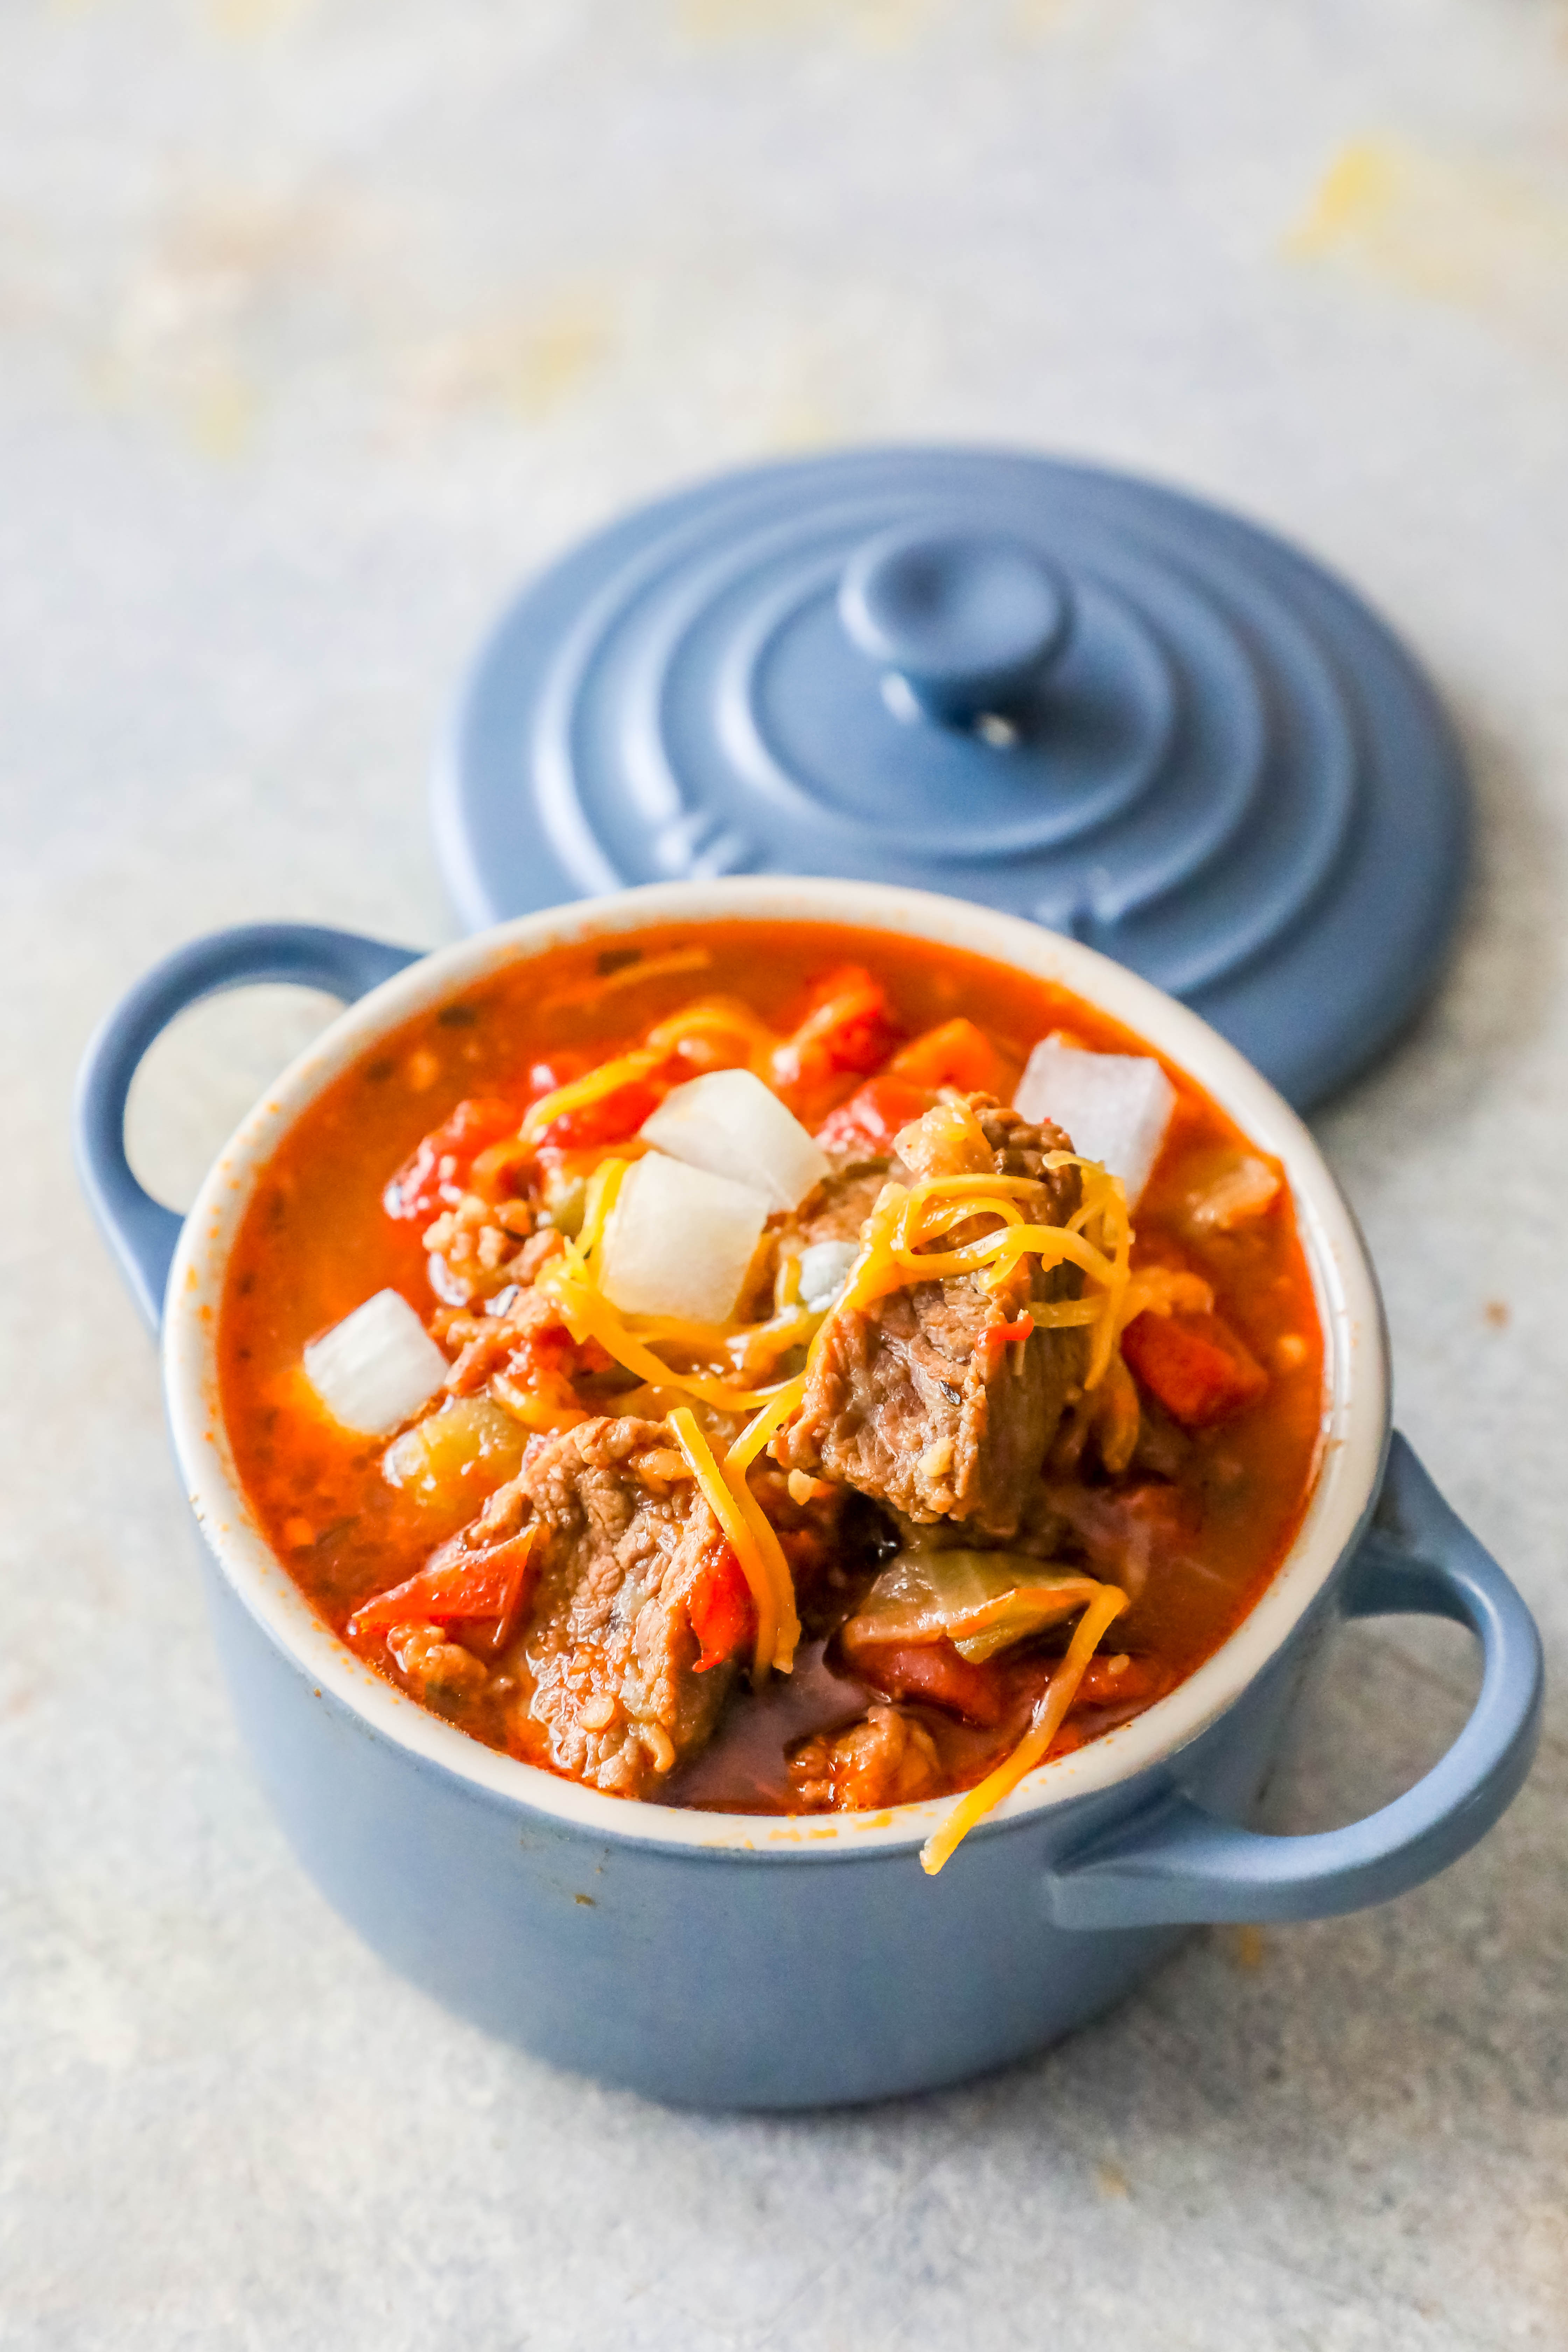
756, 1962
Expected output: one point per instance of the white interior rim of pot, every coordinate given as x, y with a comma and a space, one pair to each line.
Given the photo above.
1356, 1380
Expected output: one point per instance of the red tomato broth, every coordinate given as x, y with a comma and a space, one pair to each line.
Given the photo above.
1196, 1553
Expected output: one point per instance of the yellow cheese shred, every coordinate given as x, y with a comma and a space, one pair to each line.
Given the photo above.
530, 1410
629, 975
765, 1424
721, 1024
570, 1280
727, 1028
905, 1218
602, 1191
578, 1093
588, 1315
895, 1247
752, 1541
1049, 1717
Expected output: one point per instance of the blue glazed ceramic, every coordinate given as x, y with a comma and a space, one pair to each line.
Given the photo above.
1073, 695
736, 1962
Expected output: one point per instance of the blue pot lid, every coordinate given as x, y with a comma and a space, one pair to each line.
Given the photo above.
1071, 694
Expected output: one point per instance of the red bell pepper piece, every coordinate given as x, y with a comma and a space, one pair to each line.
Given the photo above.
958, 1053
611, 1120
1001, 1336
454, 1586
868, 1121
932, 1671
850, 1027
437, 1170
1122, 1681
1194, 1365
720, 1605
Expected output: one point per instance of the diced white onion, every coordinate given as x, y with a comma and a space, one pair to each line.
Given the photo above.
824, 1271
375, 1369
981, 1602
733, 1125
680, 1240
1114, 1107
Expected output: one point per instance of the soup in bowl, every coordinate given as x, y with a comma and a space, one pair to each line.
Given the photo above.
773, 1457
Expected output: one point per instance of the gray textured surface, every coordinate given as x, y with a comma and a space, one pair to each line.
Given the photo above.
317, 325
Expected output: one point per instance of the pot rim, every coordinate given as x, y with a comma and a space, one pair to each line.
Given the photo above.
1355, 1406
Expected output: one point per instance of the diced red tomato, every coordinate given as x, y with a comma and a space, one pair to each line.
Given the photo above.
1122, 1681
551, 1353
1002, 1336
722, 1613
611, 1119
868, 1121
454, 1586
435, 1172
850, 1027
545, 1362
932, 1671
1195, 1365
958, 1053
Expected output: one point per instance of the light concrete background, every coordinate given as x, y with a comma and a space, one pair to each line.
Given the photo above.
317, 325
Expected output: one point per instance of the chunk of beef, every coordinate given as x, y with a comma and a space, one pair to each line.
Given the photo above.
887, 1758
914, 1403
474, 1248
434, 1668
841, 1204
609, 1645
1019, 1148
486, 1343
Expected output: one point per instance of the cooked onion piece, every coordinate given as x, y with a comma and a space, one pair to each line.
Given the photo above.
1115, 1107
981, 1602
375, 1369
680, 1241
824, 1269
731, 1124
451, 1459
1224, 1189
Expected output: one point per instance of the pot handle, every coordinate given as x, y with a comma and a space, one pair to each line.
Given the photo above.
1177, 1863
141, 1230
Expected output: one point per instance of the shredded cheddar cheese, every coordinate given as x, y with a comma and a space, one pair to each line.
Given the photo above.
894, 1251
1048, 1718
724, 1026
588, 1315
570, 1280
729, 1031
602, 1191
629, 975
578, 1093
752, 1541
766, 1423
534, 1412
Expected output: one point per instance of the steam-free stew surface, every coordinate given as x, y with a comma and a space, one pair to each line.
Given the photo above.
1194, 1541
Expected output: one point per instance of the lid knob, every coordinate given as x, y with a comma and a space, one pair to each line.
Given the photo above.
964, 621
